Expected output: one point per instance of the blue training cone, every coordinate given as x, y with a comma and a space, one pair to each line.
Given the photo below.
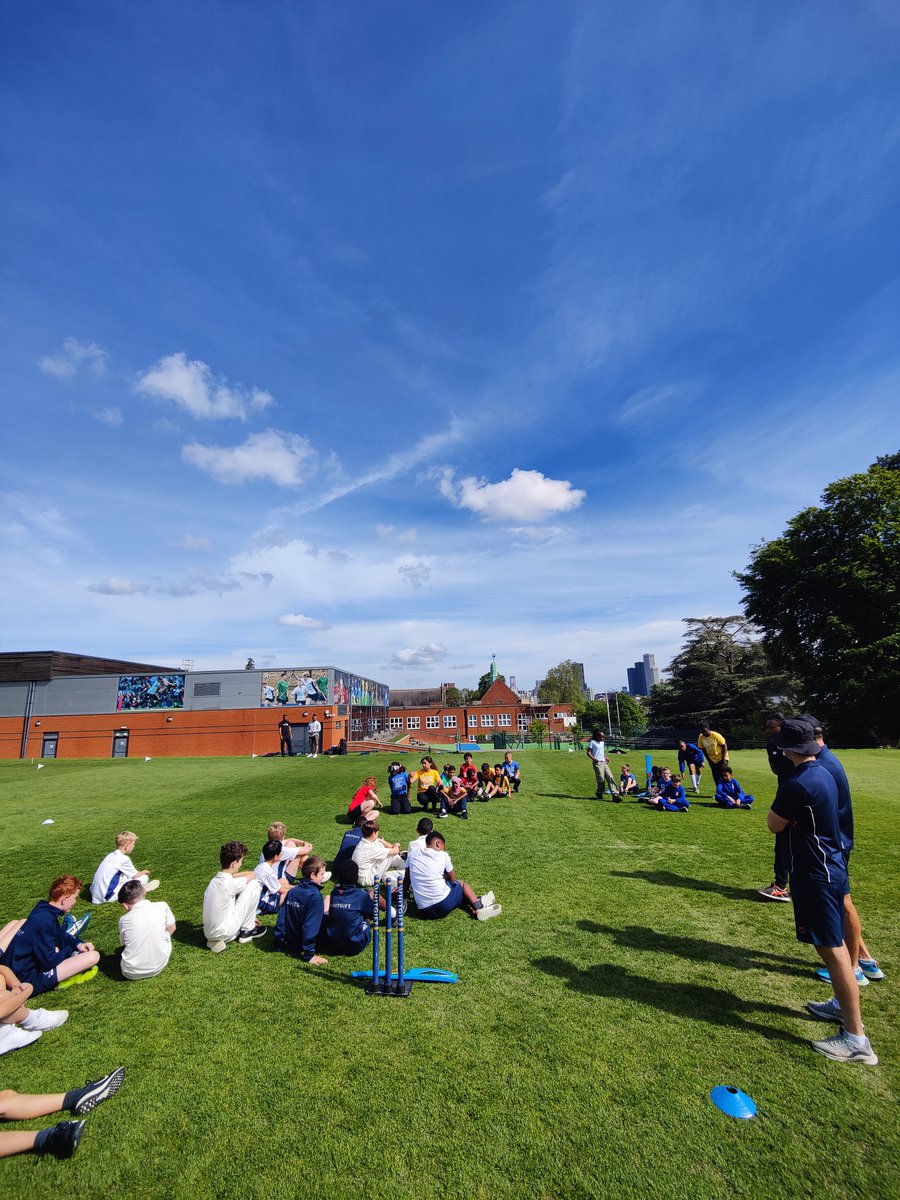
733, 1102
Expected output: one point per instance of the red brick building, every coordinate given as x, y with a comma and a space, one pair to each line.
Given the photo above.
499, 710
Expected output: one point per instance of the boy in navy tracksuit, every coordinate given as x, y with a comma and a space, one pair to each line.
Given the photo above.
807, 805
42, 953
730, 794
346, 930
300, 916
690, 759
671, 797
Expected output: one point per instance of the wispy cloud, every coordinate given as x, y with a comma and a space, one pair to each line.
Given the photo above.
299, 621
190, 541
72, 357
194, 584
419, 656
417, 572
284, 458
108, 416
396, 537
192, 386
640, 406
525, 496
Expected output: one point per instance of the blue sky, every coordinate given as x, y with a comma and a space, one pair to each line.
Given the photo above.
398, 335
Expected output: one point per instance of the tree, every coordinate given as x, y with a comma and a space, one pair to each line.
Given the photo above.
627, 715
485, 682
537, 731
453, 697
563, 685
825, 594
251, 665
723, 673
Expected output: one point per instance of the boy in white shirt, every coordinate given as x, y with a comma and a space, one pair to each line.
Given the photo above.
374, 855
116, 869
436, 889
294, 851
145, 931
423, 829
275, 886
230, 902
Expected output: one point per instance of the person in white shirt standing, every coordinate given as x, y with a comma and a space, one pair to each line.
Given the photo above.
314, 729
230, 902
145, 931
596, 752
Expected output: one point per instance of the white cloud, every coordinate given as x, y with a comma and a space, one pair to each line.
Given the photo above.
191, 385
190, 542
644, 404
280, 457
419, 656
298, 621
525, 496
115, 585
108, 416
195, 584
416, 572
397, 537
74, 353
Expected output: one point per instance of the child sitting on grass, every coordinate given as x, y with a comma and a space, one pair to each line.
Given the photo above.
346, 930
365, 798
373, 856
627, 782
145, 932
428, 784
300, 916
116, 869
468, 774
20, 1026
294, 851
230, 902
423, 829
436, 889
487, 787
501, 782
455, 798
398, 784
44, 955
273, 887
671, 796
729, 793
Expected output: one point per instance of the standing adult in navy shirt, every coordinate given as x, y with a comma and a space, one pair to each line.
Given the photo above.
782, 768
807, 806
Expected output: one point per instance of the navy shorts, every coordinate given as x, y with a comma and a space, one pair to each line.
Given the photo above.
453, 900
268, 903
818, 911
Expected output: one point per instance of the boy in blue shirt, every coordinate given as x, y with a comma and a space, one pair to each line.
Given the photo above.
690, 758
302, 912
730, 794
671, 796
806, 804
511, 770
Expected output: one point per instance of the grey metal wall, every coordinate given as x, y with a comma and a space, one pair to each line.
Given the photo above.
12, 699
75, 694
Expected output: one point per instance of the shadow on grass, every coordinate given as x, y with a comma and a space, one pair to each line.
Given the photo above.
693, 1000
636, 937
189, 934
670, 879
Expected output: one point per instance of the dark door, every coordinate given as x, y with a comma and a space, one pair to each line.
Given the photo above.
120, 745
49, 744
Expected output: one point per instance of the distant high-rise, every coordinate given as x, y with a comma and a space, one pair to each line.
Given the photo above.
642, 676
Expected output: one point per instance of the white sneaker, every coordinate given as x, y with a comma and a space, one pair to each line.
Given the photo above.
486, 912
217, 947
151, 886
44, 1018
841, 1049
487, 899
14, 1038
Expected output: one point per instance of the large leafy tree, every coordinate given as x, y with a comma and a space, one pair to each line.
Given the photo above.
826, 596
722, 672
563, 685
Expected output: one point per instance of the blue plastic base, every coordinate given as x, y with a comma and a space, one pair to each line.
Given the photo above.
733, 1102
414, 975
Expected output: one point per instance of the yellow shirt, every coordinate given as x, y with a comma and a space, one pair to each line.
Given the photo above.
712, 745
427, 779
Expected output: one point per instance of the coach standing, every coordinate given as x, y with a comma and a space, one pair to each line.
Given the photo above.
715, 748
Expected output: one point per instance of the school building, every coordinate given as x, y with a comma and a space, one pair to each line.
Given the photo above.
63, 705
500, 710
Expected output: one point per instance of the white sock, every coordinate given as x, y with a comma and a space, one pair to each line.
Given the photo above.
857, 1039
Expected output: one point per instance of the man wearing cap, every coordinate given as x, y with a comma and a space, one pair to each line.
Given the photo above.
807, 805
782, 768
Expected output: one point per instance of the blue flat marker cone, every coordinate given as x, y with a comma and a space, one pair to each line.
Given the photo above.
733, 1102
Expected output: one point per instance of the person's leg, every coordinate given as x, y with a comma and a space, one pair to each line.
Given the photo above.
782, 858
405, 806
16, 1143
846, 989
83, 961
464, 807
17, 1107
598, 775
245, 906
8, 932
852, 931
12, 1004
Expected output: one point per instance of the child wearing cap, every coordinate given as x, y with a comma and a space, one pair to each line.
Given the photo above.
398, 784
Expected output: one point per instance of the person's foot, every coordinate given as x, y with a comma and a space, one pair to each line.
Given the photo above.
217, 947
487, 899
151, 886
12, 1037
44, 1018
870, 968
774, 892
250, 935
464, 816
841, 1048
830, 1010
487, 911
95, 1092
61, 1140
84, 977
441, 816
76, 925
823, 973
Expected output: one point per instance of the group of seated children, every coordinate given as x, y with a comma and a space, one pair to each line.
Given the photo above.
666, 790
668, 794
444, 792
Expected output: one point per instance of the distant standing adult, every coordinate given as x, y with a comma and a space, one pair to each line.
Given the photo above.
715, 748
314, 729
782, 768
284, 732
596, 752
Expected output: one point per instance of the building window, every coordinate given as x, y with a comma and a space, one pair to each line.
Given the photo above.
432, 722
473, 720
487, 720
355, 725
522, 721
504, 720
560, 716
395, 722
413, 723
449, 722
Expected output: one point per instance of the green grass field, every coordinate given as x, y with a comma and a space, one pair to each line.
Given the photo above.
633, 969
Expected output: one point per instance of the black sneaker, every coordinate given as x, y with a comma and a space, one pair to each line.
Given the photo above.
464, 816
64, 1138
250, 935
96, 1092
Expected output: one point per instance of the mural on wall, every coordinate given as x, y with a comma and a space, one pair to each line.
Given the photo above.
311, 685
150, 691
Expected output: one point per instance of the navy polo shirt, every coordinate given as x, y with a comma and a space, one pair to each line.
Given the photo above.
809, 802
832, 765
690, 754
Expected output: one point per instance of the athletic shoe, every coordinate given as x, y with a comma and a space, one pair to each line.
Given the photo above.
95, 1092
63, 1138
441, 816
217, 947
774, 892
250, 935
76, 925
326, 876
822, 973
43, 1018
151, 886
841, 1049
487, 911
870, 968
464, 816
12, 1037
84, 977
830, 1010
487, 899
